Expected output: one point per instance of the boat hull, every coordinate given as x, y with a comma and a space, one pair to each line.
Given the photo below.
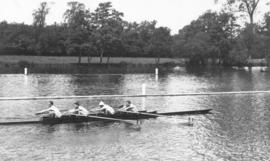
117, 115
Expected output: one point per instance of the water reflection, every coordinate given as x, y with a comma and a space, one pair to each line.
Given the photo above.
239, 129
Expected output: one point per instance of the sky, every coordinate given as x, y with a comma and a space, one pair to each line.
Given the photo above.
174, 14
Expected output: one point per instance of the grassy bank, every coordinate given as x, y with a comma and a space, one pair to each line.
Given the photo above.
94, 60
12, 68
69, 65
113, 60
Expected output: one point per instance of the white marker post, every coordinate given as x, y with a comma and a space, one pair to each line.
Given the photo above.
156, 71
156, 74
25, 71
143, 93
143, 89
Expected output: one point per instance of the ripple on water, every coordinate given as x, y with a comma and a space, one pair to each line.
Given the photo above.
238, 129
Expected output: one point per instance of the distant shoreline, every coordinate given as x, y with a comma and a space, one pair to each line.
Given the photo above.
69, 65
12, 59
14, 64
84, 60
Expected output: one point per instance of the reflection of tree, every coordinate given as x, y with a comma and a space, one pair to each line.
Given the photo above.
53, 85
97, 84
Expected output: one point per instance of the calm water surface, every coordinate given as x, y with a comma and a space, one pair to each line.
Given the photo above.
239, 129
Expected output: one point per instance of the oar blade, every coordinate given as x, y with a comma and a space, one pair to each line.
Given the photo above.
110, 119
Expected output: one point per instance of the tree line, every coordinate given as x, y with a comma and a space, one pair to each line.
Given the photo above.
216, 36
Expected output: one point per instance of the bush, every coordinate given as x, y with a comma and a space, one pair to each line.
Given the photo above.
123, 63
24, 64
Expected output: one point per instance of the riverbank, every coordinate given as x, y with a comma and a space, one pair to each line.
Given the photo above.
122, 68
69, 65
84, 60
117, 65
113, 60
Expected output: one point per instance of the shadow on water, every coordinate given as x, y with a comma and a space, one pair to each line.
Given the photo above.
83, 68
90, 126
196, 70
51, 128
202, 70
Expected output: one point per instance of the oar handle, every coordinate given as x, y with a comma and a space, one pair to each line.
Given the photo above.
39, 113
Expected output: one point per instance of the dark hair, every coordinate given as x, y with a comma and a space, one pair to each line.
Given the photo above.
76, 103
128, 101
51, 102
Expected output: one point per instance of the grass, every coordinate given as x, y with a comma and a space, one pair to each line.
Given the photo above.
68, 65
94, 60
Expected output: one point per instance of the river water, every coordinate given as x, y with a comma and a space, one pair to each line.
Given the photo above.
238, 129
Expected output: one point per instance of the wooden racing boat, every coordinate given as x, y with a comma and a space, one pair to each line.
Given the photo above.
100, 117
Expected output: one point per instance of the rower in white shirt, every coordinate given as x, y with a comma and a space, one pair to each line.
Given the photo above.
104, 108
79, 110
52, 111
129, 107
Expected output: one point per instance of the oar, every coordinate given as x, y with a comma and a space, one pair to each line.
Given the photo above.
17, 118
147, 114
107, 119
144, 113
40, 113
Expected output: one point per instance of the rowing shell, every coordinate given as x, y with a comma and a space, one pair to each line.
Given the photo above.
95, 117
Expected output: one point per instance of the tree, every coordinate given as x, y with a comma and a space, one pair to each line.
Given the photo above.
199, 48
212, 33
55, 36
40, 14
39, 19
246, 6
249, 8
77, 18
146, 30
131, 39
266, 32
178, 50
160, 43
108, 26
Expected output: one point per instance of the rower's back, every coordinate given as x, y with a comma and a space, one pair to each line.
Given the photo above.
55, 111
108, 109
83, 111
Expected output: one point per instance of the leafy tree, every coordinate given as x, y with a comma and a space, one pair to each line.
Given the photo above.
248, 44
265, 30
146, 30
160, 43
213, 31
55, 36
131, 39
16, 36
77, 18
108, 26
245, 6
103, 32
199, 48
139, 39
178, 50
40, 14
39, 18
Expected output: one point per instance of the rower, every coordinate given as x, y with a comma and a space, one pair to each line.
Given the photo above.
79, 110
52, 111
129, 107
105, 108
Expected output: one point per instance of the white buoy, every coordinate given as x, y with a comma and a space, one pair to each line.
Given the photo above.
156, 78
156, 71
25, 71
143, 98
143, 89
